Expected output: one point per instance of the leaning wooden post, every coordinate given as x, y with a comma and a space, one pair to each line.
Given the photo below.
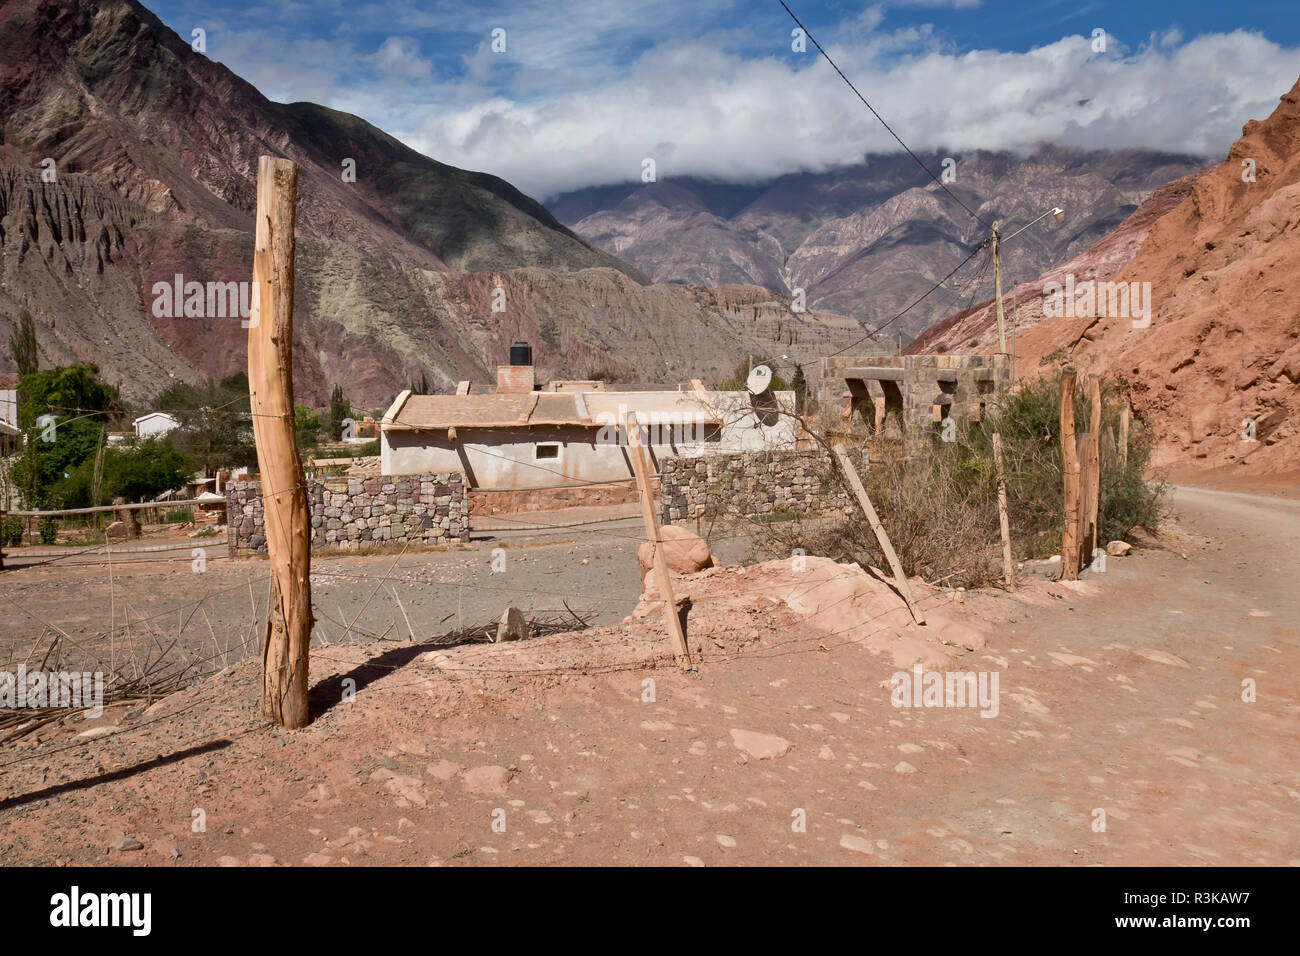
270, 389
636, 452
873, 519
1070, 471
1007, 571
1092, 504
1125, 413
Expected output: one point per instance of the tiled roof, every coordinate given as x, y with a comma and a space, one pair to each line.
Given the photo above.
509, 410
485, 411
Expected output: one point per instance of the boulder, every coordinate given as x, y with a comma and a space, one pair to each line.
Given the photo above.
760, 746
1118, 548
686, 551
513, 626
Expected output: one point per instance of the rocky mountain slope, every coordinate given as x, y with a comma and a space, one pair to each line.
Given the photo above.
976, 329
869, 239
1219, 362
154, 151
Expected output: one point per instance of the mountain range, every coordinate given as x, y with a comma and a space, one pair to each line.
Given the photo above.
127, 159
869, 239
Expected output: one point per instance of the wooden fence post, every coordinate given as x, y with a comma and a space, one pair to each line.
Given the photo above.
1007, 568
270, 388
1087, 449
1092, 502
1125, 413
868, 509
636, 452
1070, 472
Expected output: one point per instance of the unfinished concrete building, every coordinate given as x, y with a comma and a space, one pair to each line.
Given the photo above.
908, 398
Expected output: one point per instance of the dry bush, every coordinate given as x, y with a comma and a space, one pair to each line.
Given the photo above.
940, 507
938, 525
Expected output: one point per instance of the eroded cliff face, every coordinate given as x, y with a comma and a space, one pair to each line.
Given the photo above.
1219, 361
155, 150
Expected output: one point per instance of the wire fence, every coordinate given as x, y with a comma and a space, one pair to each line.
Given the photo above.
147, 656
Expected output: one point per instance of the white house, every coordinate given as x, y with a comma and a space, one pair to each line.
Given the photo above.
155, 425
10, 439
573, 432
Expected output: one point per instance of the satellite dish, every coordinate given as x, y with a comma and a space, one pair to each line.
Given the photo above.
760, 380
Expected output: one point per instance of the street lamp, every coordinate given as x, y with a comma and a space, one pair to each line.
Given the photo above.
1057, 213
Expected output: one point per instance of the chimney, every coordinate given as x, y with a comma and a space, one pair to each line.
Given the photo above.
517, 378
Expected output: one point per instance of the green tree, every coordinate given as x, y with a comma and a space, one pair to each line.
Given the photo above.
800, 386
139, 470
142, 470
339, 410
216, 429
22, 344
306, 426
62, 411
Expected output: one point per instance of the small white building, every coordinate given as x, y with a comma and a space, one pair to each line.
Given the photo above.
10, 434
9, 408
572, 433
155, 425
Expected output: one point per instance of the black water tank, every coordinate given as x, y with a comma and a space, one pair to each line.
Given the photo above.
521, 353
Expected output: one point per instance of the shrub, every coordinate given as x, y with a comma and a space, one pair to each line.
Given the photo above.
11, 533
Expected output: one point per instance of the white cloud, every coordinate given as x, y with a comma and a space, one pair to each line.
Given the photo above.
699, 110
550, 117
400, 57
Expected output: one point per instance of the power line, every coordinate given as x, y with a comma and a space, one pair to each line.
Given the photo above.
915, 303
937, 180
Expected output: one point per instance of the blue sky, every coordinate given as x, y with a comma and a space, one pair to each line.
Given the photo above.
586, 89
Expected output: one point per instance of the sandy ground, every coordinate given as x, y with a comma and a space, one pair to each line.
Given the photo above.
124, 608
1120, 701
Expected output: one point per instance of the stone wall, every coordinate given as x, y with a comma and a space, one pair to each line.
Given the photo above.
748, 483
354, 514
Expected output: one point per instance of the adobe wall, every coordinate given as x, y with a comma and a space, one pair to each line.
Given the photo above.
960, 384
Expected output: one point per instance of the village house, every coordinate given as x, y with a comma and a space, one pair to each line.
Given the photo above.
571, 433
155, 425
10, 434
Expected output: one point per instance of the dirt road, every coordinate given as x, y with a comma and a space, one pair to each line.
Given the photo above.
1121, 737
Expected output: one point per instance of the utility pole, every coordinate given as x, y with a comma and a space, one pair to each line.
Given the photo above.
997, 289
1059, 215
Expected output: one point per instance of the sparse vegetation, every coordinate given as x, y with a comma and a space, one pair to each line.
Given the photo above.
736, 381
22, 344
11, 533
940, 508
216, 429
